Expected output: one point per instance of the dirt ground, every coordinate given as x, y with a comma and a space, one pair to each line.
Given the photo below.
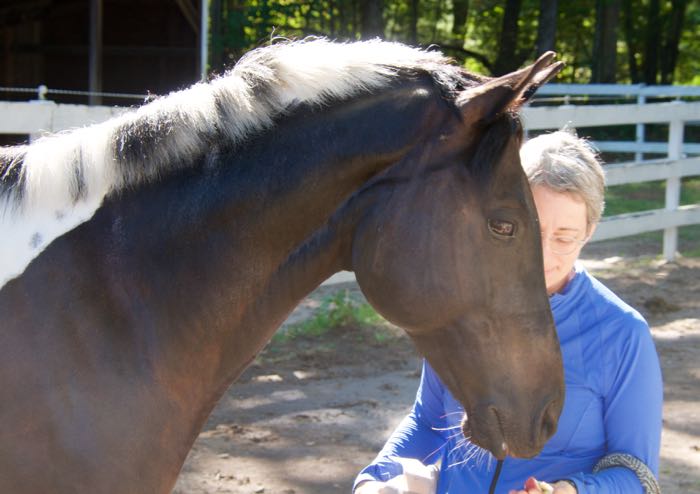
308, 415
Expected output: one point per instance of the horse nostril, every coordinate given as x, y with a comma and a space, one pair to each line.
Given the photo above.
549, 422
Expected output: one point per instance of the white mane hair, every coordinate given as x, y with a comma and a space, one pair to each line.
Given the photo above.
51, 186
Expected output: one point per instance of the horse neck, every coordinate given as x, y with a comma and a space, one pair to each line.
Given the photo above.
315, 163
248, 235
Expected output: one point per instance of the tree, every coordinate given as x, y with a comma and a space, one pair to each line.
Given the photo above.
604, 60
653, 35
460, 12
507, 59
413, 22
670, 47
631, 41
546, 26
651, 43
493, 37
372, 18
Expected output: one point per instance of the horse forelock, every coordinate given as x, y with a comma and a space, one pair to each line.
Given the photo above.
57, 182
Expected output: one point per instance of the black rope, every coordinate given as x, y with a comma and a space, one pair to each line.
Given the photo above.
496, 474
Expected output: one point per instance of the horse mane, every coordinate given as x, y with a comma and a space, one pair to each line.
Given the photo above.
177, 130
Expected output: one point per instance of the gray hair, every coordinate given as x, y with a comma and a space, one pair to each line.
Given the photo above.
568, 164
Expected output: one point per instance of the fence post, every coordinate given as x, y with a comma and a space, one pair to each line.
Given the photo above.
639, 156
673, 187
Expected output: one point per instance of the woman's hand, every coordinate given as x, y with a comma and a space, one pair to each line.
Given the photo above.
415, 479
532, 487
374, 487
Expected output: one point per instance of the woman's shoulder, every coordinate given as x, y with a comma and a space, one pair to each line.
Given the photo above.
607, 304
617, 334
605, 313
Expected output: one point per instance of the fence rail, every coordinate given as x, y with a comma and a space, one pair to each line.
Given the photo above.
34, 118
45, 116
547, 117
676, 114
42, 92
593, 92
565, 94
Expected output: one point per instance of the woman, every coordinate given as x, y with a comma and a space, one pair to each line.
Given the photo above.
612, 410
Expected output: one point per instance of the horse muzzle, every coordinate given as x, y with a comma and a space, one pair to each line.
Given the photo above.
505, 433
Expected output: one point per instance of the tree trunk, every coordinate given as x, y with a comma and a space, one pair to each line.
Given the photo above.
652, 42
632, 46
546, 26
460, 12
669, 53
371, 18
604, 63
234, 36
216, 56
355, 17
413, 27
331, 18
507, 61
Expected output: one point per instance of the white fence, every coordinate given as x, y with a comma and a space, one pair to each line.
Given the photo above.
672, 169
565, 94
36, 117
568, 93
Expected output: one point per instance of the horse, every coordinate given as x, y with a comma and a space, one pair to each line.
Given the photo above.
146, 260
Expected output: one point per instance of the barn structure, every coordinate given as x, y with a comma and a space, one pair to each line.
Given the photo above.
80, 48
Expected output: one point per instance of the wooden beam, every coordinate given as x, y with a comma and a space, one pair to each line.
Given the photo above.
190, 13
95, 56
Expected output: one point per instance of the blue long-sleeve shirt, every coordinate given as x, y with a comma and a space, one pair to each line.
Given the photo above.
613, 405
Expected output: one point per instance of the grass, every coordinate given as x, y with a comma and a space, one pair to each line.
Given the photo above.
629, 198
336, 311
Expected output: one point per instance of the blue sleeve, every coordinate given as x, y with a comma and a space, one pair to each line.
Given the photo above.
420, 434
633, 409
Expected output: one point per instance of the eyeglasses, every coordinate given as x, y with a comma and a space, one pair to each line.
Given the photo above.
563, 245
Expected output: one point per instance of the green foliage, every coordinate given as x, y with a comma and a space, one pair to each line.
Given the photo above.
336, 311
689, 240
688, 70
238, 26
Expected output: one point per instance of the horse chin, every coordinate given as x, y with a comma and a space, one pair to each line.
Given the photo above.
468, 433
494, 440
494, 445
466, 427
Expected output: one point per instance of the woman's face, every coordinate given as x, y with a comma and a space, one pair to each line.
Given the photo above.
564, 228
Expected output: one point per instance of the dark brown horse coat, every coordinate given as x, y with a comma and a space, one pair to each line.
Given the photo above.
146, 261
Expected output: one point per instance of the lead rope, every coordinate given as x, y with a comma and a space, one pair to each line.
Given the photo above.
496, 474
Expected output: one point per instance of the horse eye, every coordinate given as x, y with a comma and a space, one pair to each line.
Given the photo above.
502, 228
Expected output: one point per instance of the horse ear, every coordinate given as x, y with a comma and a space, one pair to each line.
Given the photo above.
487, 101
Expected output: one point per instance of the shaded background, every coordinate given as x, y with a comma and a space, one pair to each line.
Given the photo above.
153, 46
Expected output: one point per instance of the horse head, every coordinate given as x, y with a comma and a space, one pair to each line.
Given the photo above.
451, 252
